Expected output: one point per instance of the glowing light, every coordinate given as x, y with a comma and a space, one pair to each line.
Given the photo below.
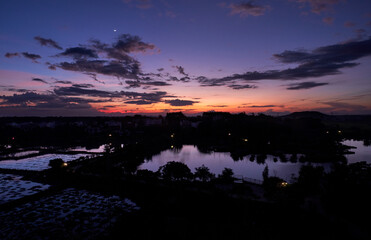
284, 184
172, 146
65, 164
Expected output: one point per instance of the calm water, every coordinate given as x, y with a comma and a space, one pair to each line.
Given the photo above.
217, 161
362, 153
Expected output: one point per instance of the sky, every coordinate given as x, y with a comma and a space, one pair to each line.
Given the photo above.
151, 57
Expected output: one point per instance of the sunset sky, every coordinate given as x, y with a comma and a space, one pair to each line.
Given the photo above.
117, 57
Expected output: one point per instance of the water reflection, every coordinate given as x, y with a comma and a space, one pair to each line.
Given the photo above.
361, 152
217, 161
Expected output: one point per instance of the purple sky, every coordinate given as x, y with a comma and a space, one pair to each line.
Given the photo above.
115, 57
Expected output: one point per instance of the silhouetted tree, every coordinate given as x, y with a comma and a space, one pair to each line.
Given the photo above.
265, 173
203, 173
56, 163
227, 175
175, 171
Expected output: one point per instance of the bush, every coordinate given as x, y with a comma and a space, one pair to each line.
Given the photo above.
175, 171
56, 163
203, 173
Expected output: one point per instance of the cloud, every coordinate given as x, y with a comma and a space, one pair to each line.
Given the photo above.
337, 106
239, 86
264, 106
63, 82
135, 84
110, 59
328, 20
218, 106
141, 4
14, 89
48, 42
139, 102
304, 85
35, 104
248, 9
83, 85
10, 55
128, 97
39, 80
320, 62
180, 69
109, 68
78, 91
79, 52
319, 6
349, 24
178, 102
31, 56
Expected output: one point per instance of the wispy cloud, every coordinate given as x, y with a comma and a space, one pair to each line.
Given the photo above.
10, 55
319, 6
320, 62
39, 80
304, 85
178, 102
248, 9
48, 42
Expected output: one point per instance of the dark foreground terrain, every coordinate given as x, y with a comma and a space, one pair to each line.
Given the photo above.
107, 197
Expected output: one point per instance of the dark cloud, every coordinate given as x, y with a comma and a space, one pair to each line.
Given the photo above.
77, 91
10, 55
83, 85
139, 102
34, 104
180, 69
135, 84
336, 106
14, 89
48, 42
79, 52
63, 82
51, 66
248, 9
182, 79
31, 56
322, 61
160, 69
264, 106
109, 68
111, 59
218, 106
318, 6
239, 86
304, 85
130, 97
178, 102
39, 80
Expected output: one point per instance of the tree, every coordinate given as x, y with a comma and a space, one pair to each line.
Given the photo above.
227, 175
265, 173
56, 163
175, 171
203, 173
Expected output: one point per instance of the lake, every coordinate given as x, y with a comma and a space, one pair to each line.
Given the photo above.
217, 161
